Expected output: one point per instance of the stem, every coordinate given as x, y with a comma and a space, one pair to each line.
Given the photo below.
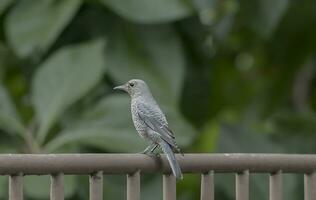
30, 141
302, 86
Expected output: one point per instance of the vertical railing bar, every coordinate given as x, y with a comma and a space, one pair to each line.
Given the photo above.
133, 186
310, 186
276, 186
169, 187
242, 185
96, 186
57, 187
207, 186
16, 187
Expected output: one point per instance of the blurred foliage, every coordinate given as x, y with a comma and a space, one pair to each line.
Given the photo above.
231, 76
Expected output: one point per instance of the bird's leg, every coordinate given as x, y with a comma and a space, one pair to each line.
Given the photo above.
148, 149
152, 150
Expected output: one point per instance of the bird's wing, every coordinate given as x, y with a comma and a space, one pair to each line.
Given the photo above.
155, 120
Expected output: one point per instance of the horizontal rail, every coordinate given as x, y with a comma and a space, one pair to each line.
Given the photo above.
39, 164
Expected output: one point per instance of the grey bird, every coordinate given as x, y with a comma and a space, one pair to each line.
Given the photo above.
151, 123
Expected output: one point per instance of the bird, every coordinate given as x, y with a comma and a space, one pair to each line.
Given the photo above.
151, 123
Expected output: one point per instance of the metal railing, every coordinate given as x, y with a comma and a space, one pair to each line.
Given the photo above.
97, 165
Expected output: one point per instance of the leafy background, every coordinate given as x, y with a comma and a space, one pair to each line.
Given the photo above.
231, 75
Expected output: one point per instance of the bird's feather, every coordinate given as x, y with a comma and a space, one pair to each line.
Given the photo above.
155, 120
172, 160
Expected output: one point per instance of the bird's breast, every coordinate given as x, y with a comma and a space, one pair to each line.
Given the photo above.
139, 124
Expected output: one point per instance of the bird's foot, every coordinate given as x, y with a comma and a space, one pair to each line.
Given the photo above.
156, 154
150, 150
146, 151
152, 154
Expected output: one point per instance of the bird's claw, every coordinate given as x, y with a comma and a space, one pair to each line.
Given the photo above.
146, 151
152, 154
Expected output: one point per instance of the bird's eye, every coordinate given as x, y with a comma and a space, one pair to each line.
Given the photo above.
131, 84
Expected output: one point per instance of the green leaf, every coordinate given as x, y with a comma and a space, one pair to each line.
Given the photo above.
150, 11
4, 4
265, 14
45, 21
150, 187
238, 139
151, 53
5, 58
4, 187
207, 141
303, 124
38, 186
183, 130
108, 126
116, 140
271, 12
63, 79
115, 185
104, 126
9, 118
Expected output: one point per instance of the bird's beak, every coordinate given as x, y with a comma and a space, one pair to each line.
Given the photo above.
121, 87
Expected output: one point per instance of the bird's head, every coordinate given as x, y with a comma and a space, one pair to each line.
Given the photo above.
134, 88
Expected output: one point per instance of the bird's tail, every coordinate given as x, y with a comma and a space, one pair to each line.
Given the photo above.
172, 159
